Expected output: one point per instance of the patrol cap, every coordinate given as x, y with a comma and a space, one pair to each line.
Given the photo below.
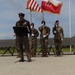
43, 22
21, 14
57, 21
32, 24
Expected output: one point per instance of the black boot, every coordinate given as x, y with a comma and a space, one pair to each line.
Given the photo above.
21, 60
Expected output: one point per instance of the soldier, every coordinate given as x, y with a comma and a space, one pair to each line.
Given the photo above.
23, 40
58, 37
33, 40
44, 34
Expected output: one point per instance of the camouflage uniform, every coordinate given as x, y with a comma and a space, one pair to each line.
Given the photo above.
44, 34
33, 41
58, 38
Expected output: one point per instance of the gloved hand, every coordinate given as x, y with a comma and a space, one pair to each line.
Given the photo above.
44, 36
14, 34
32, 34
61, 39
54, 31
25, 23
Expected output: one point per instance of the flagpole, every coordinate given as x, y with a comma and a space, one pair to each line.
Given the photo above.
70, 20
43, 16
30, 16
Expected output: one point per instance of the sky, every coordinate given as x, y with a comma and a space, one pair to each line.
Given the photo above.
9, 10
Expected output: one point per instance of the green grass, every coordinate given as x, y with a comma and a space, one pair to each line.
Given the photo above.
65, 49
2, 50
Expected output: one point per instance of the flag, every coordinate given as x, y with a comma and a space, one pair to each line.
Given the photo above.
33, 6
52, 6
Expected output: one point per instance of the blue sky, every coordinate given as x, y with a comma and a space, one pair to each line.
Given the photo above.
9, 10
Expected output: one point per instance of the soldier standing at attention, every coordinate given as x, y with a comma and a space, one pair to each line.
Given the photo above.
33, 40
58, 37
44, 34
23, 40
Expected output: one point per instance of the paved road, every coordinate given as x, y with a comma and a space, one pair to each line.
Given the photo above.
51, 65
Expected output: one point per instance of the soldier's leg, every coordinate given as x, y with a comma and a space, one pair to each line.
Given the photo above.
41, 42
20, 46
18, 53
43, 48
56, 47
27, 47
55, 43
59, 49
31, 47
59, 46
46, 47
35, 47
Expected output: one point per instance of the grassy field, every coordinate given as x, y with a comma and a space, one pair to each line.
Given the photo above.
65, 49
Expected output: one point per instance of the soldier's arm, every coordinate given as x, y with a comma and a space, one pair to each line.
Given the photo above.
62, 32
48, 31
14, 32
16, 24
29, 28
53, 31
36, 33
40, 29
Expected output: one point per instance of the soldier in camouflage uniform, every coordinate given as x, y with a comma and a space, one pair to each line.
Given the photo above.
23, 40
58, 37
33, 40
44, 34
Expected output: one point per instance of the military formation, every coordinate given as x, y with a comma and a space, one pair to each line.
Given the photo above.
28, 41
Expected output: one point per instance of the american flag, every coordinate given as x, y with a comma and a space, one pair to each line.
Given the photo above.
33, 6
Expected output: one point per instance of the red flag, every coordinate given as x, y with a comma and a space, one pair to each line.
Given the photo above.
33, 6
52, 6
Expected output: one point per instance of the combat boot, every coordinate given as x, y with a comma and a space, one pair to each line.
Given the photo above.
22, 60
